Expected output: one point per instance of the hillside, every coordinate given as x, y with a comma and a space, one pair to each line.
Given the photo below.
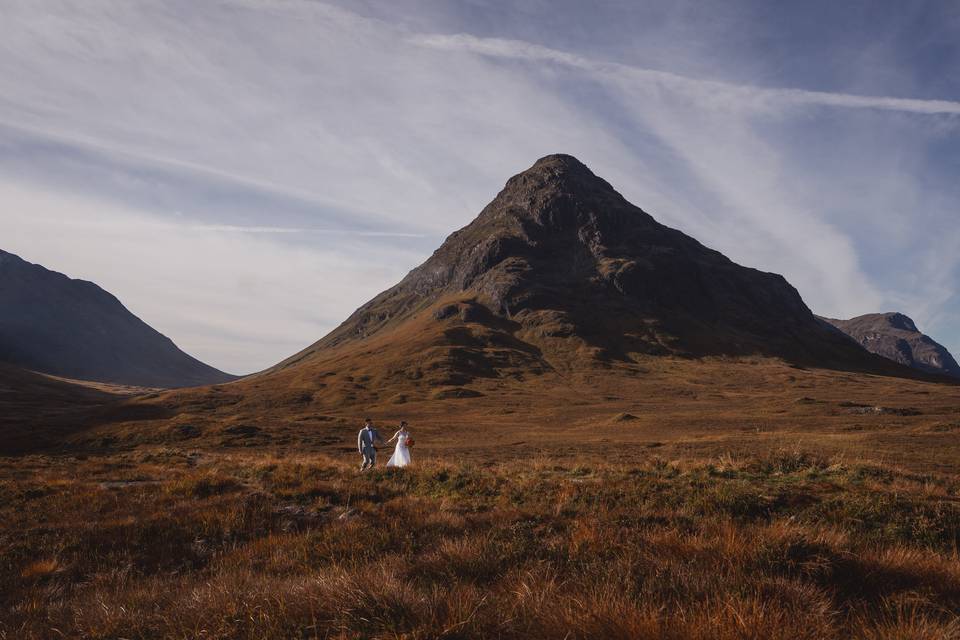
72, 328
36, 410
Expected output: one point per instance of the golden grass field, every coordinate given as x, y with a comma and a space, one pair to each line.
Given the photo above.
687, 499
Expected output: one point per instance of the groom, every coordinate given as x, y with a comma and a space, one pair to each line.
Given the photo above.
366, 441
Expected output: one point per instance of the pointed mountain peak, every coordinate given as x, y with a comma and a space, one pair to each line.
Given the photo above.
558, 194
558, 171
561, 266
560, 163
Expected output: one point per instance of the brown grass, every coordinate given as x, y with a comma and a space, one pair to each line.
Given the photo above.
685, 408
746, 499
168, 543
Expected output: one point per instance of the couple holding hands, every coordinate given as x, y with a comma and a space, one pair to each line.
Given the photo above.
369, 436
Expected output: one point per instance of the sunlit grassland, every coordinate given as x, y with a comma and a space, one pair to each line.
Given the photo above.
166, 543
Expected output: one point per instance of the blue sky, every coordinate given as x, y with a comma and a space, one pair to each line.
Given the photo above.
242, 174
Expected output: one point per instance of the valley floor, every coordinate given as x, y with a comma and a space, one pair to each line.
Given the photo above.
176, 543
670, 499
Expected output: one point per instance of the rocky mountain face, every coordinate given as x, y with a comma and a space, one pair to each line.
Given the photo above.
72, 328
896, 337
560, 272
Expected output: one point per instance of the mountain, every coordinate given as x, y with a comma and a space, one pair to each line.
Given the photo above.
560, 307
896, 337
559, 273
72, 328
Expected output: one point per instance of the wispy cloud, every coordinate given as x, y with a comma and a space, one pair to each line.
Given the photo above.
230, 228
263, 138
716, 94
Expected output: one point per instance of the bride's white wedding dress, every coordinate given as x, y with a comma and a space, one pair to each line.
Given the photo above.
401, 454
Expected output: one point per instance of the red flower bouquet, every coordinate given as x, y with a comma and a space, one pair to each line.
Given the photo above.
409, 442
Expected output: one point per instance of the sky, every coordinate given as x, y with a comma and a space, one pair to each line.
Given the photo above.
243, 174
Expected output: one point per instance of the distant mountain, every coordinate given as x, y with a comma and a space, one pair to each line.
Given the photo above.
896, 337
72, 328
559, 274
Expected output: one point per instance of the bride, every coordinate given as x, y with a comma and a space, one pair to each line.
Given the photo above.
401, 454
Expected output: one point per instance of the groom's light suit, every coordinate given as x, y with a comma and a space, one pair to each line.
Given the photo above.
365, 443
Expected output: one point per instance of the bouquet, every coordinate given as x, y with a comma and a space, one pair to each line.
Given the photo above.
409, 442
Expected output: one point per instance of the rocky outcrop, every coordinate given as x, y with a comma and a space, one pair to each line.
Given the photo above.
896, 337
72, 328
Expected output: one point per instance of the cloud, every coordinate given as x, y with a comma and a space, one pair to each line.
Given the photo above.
337, 110
719, 94
254, 150
229, 228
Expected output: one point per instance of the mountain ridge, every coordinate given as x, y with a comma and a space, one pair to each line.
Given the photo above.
895, 336
58, 325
